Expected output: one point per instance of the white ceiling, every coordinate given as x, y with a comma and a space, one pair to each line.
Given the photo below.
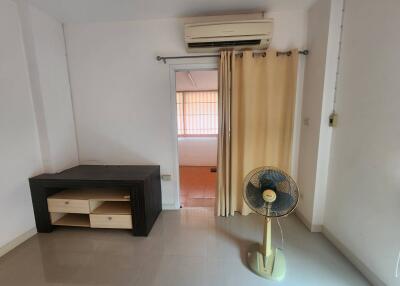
202, 80
115, 10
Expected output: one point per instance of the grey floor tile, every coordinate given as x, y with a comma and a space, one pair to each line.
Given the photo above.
186, 247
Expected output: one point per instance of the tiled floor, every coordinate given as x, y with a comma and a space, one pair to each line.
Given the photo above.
197, 186
186, 247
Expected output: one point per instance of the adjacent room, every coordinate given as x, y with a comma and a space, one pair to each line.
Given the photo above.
197, 118
191, 142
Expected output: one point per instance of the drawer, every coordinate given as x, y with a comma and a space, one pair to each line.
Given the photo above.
68, 206
110, 221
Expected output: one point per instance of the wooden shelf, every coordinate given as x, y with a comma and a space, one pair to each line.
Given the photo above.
116, 208
98, 194
81, 220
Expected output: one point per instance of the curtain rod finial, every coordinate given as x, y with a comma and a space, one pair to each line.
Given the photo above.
159, 58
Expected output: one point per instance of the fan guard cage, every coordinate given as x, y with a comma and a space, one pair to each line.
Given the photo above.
284, 183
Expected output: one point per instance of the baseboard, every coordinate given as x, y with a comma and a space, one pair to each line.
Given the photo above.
316, 228
17, 241
311, 227
368, 273
170, 207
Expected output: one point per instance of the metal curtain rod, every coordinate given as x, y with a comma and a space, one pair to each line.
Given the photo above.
288, 53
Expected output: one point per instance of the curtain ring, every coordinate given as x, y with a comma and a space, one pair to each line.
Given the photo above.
263, 54
288, 53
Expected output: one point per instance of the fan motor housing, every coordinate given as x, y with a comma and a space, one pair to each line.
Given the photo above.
269, 196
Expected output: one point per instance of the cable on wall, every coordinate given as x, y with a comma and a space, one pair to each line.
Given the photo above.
396, 272
339, 57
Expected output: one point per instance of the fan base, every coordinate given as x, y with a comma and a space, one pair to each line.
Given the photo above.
272, 267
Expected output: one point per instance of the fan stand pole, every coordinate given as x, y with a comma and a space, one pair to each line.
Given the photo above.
266, 262
267, 249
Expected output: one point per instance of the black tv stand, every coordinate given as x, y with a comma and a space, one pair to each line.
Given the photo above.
141, 184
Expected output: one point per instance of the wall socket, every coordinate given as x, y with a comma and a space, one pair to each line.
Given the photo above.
166, 177
333, 118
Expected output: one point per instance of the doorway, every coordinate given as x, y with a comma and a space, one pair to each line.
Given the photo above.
197, 130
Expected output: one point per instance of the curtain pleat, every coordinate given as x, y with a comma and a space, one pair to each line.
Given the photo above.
224, 196
259, 109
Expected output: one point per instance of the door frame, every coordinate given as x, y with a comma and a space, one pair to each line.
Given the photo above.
173, 68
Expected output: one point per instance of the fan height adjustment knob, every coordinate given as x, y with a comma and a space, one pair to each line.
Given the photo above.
269, 196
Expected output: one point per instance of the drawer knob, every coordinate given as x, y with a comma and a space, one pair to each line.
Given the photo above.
67, 202
109, 218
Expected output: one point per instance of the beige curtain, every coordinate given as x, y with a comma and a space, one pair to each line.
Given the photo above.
262, 101
224, 195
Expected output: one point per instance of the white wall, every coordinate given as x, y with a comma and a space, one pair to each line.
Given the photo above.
363, 203
317, 40
122, 100
45, 52
55, 90
324, 21
327, 107
36, 119
19, 143
198, 151
122, 116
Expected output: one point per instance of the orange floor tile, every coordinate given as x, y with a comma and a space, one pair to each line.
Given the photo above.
198, 186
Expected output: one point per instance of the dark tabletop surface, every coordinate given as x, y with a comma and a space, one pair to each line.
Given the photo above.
103, 172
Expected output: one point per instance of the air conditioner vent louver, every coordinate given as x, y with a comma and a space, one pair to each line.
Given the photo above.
224, 44
211, 37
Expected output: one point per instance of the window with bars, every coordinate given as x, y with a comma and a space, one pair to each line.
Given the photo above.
197, 113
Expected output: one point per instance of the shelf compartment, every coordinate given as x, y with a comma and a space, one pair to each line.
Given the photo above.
113, 207
56, 216
110, 221
81, 220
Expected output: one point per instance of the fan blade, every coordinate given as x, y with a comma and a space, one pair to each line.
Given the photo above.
270, 178
266, 182
276, 177
267, 185
254, 196
283, 201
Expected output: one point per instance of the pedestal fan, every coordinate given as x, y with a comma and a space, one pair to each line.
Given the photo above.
272, 193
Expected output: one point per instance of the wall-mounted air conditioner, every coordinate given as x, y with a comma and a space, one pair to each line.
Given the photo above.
238, 35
